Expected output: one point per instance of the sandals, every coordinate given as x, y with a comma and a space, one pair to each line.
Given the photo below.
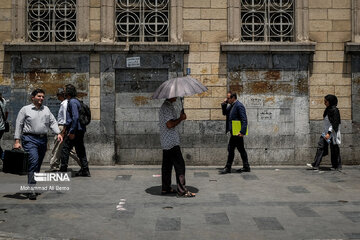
187, 194
170, 191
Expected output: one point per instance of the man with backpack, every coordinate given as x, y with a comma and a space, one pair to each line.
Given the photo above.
77, 117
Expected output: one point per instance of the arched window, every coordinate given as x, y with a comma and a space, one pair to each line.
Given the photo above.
51, 20
142, 20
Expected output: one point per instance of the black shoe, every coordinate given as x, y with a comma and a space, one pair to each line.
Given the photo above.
32, 196
225, 171
83, 173
63, 169
243, 170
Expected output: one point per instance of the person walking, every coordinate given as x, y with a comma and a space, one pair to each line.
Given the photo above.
172, 156
331, 135
75, 132
32, 124
56, 152
235, 111
3, 119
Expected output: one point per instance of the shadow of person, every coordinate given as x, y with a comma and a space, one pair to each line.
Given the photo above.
156, 190
18, 195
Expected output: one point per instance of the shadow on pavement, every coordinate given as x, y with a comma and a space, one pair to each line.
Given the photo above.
156, 190
20, 196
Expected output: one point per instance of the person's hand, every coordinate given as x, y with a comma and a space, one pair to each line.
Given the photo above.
17, 144
60, 137
71, 136
225, 100
327, 136
240, 135
183, 116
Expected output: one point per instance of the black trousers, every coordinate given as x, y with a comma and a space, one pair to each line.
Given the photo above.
78, 143
237, 142
322, 151
1, 134
173, 157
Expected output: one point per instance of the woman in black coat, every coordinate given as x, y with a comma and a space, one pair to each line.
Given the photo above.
331, 134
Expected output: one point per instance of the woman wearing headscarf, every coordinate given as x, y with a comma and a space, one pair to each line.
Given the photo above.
331, 134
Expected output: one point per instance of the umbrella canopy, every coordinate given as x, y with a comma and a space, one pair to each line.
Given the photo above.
179, 87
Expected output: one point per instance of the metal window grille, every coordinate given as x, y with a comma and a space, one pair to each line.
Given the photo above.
267, 20
51, 20
142, 20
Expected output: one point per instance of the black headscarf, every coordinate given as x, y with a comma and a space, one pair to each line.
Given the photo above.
332, 112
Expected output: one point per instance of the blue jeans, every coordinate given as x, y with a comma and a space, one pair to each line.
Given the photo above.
36, 147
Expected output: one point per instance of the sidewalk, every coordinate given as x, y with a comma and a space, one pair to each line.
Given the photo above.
124, 202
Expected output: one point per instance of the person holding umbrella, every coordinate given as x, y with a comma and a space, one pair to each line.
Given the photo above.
169, 135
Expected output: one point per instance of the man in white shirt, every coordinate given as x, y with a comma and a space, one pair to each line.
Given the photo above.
3, 118
56, 152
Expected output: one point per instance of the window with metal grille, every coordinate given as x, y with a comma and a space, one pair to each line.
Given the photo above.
51, 20
267, 20
142, 20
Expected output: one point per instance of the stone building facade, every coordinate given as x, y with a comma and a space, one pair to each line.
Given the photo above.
281, 57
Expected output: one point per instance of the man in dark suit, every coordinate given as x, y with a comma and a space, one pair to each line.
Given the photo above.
235, 110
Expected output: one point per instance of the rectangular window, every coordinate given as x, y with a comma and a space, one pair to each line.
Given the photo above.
267, 20
51, 20
142, 20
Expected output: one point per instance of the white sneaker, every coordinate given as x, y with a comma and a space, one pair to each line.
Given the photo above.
309, 165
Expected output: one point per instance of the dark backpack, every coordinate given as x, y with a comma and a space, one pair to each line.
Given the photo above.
84, 114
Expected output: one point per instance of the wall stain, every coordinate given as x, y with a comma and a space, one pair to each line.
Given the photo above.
273, 75
270, 99
269, 87
140, 100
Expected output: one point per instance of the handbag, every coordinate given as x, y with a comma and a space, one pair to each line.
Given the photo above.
6, 123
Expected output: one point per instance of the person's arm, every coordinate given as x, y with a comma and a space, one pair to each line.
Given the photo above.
224, 107
19, 127
174, 122
243, 119
74, 117
55, 127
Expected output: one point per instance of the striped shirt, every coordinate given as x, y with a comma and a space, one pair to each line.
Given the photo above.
169, 137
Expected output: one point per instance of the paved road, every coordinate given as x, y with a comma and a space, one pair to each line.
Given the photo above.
123, 202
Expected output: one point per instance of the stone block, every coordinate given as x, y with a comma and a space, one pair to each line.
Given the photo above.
5, 4
318, 79
318, 36
338, 79
197, 4
94, 102
321, 91
127, 114
94, 13
339, 14
95, 114
320, 56
213, 156
324, 46
191, 156
317, 14
95, 36
95, 25
342, 67
196, 25
200, 68
323, 67
320, 25
320, 4
141, 127
192, 36
94, 91
213, 47
198, 114
343, 91
94, 57
210, 13
94, 67
339, 36
191, 13
192, 127
5, 36
212, 57
218, 25
5, 26
94, 81
95, 3
216, 114
335, 56
213, 80
341, 3
198, 47
316, 113
338, 46
345, 114
317, 102
192, 57
5, 15
191, 102
341, 25
214, 36
219, 92
219, 3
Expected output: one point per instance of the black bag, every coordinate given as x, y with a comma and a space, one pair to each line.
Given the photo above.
84, 113
16, 162
6, 123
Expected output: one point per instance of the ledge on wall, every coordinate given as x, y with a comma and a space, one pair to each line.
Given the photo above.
92, 47
352, 48
268, 47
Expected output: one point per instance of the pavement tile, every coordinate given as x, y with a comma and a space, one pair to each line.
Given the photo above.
303, 211
168, 224
268, 223
201, 174
217, 218
298, 189
353, 216
247, 176
123, 177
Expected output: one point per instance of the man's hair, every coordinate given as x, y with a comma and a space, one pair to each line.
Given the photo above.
36, 91
60, 92
70, 90
233, 95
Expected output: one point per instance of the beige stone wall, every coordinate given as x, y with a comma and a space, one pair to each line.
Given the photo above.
205, 27
330, 26
5, 35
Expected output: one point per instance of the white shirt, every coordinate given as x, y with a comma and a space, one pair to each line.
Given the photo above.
3, 107
62, 112
335, 136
